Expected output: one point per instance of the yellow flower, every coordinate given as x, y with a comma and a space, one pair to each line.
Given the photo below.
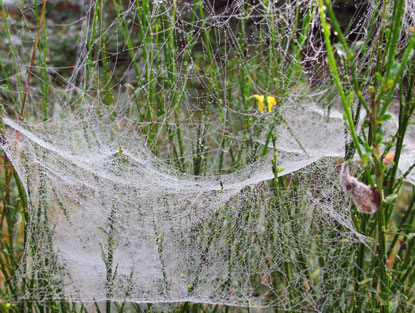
260, 100
271, 102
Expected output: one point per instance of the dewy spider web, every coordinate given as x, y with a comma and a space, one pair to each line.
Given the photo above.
115, 214
172, 237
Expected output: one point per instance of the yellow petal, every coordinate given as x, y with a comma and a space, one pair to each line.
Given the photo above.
271, 102
261, 106
260, 100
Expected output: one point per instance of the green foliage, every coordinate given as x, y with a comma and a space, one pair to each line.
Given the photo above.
387, 281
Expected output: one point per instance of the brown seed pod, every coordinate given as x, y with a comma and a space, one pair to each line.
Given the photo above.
366, 198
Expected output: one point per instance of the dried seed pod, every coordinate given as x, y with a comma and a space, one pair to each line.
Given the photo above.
366, 198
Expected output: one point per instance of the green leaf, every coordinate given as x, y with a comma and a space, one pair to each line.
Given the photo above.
365, 281
391, 198
357, 46
395, 68
315, 273
385, 117
367, 146
379, 77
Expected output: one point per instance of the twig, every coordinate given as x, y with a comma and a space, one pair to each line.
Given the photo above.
32, 60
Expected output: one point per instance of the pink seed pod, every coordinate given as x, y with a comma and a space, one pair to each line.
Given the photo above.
366, 198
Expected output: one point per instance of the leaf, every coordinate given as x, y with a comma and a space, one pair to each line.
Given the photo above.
385, 117
315, 273
379, 77
357, 46
395, 68
391, 198
365, 281
365, 158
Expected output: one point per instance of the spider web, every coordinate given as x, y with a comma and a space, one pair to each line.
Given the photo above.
161, 182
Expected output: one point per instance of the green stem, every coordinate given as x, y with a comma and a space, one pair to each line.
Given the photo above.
346, 101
